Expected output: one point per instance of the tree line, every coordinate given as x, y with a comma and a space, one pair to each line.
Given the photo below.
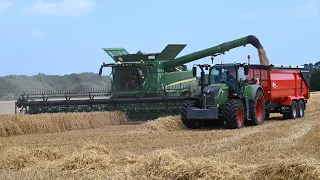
12, 86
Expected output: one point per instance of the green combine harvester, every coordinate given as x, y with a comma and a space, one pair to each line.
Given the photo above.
145, 86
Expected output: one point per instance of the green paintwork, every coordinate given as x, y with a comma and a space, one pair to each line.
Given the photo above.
212, 51
247, 91
113, 52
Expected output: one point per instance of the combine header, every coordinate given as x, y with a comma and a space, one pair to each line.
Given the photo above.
145, 86
239, 94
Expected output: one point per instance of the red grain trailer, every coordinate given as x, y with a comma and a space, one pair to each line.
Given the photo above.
286, 88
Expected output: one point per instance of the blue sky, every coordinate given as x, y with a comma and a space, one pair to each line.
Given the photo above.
66, 36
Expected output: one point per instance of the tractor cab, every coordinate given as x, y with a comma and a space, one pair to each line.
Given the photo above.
233, 75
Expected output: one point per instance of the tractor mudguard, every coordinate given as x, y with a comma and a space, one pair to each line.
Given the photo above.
251, 91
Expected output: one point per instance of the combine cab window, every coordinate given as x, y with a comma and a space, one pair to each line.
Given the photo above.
128, 78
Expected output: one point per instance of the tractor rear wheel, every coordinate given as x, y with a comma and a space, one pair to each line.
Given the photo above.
190, 123
233, 114
257, 110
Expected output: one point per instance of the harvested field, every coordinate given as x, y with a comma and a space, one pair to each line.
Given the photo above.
163, 149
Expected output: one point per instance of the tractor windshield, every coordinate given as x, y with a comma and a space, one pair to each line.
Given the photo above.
223, 75
128, 78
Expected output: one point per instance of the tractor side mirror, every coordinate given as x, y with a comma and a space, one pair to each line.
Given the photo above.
194, 71
246, 70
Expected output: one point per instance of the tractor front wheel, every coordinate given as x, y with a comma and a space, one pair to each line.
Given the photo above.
190, 123
233, 114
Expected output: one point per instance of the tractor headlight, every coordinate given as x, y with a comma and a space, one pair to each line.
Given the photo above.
212, 91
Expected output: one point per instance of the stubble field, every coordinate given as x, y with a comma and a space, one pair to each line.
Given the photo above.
105, 146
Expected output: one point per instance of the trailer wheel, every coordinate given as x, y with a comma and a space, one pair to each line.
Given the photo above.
301, 108
293, 113
190, 123
233, 114
257, 110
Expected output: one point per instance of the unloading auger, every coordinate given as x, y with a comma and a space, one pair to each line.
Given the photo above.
145, 86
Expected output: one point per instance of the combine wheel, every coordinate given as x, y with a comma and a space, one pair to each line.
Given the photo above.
301, 108
233, 114
293, 112
190, 123
257, 110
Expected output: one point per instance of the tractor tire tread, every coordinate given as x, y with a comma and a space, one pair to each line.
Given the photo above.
189, 123
231, 112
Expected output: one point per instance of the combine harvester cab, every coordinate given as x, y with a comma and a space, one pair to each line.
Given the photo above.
239, 94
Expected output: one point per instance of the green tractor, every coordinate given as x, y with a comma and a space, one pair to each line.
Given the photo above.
228, 98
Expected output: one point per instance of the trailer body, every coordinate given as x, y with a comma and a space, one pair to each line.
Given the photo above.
281, 86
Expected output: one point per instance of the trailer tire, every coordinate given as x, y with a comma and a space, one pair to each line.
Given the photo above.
190, 123
233, 115
257, 110
301, 108
293, 113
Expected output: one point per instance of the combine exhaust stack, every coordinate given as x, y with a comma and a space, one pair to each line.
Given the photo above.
145, 86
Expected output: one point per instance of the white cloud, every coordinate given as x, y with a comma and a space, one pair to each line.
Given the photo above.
62, 8
36, 34
308, 10
5, 5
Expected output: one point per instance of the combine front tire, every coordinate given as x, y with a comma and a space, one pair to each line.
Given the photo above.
257, 110
190, 123
233, 114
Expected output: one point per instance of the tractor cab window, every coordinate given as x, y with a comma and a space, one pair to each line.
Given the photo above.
223, 75
241, 74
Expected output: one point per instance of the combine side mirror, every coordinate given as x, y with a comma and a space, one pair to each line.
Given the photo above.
194, 71
246, 70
